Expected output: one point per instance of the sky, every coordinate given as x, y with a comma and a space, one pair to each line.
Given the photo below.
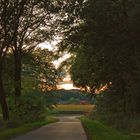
49, 46
66, 86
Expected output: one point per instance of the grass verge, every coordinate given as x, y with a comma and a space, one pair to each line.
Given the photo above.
13, 132
97, 131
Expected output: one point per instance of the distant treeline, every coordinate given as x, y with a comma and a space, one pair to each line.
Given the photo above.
72, 97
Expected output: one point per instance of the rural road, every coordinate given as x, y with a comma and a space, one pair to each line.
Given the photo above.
68, 128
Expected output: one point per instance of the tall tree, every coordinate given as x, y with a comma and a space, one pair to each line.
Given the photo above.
23, 25
6, 10
39, 66
31, 20
105, 44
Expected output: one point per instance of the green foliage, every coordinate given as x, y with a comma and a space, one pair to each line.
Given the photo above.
34, 99
73, 101
66, 96
31, 108
23, 25
38, 72
50, 99
52, 112
106, 51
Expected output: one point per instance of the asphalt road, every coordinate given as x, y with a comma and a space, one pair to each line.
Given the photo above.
68, 128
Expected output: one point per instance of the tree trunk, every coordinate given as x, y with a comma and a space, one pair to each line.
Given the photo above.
17, 74
3, 102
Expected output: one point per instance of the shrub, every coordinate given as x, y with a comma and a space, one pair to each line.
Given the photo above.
31, 108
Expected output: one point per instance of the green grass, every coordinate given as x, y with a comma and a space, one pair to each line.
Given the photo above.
97, 131
13, 132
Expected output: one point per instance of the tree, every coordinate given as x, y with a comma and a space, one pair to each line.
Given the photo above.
39, 66
13, 15
20, 24
31, 20
34, 18
5, 40
106, 54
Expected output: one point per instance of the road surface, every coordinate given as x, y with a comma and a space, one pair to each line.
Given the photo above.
68, 128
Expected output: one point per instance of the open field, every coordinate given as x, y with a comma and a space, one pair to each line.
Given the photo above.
82, 108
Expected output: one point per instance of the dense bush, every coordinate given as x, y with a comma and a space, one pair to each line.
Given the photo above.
114, 115
33, 106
